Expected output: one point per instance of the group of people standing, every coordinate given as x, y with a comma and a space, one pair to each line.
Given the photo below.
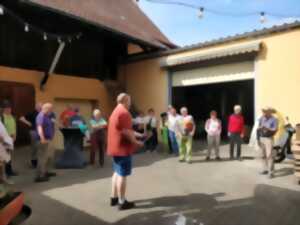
177, 135
124, 136
147, 125
8, 134
178, 132
95, 130
41, 123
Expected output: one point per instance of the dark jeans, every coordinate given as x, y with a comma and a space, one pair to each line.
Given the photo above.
174, 143
98, 141
152, 143
9, 169
235, 139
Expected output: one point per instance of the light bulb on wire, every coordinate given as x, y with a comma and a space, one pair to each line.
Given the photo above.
262, 17
1, 11
200, 13
45, 37
26, 28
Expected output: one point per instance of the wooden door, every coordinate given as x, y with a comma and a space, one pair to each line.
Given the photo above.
22, 98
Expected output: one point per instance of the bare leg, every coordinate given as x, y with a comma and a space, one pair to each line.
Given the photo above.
121, 188
114, 192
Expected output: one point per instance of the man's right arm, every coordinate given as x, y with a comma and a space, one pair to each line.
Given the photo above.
126, 129
41, 134
40, 130
25, 121
130, 135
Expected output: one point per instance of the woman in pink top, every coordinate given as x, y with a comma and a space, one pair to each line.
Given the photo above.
213, 128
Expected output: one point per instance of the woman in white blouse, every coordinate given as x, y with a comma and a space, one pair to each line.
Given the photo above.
213, 128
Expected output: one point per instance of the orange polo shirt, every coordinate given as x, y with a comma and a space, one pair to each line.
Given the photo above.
117, 144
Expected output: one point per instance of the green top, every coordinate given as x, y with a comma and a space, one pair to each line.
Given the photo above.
10, 124
164, 132
101, 122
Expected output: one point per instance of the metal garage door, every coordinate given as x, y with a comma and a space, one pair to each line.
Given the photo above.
85, 106
214, 74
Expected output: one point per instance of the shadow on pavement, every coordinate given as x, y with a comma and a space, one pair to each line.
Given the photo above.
67, 177
284, 172
269, 206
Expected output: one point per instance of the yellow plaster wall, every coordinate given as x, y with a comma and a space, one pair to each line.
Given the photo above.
60, 86
277, 75
147, 84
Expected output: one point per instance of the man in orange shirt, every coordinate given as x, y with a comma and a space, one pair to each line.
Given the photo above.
121, 144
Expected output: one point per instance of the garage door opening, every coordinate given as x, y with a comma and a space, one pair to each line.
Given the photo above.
201, 99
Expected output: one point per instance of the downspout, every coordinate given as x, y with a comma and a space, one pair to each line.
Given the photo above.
53, 65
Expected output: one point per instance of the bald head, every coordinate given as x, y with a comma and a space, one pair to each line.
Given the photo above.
124, 99
47, 108
237, 109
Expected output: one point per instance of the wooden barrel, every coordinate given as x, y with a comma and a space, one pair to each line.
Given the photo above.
296, 152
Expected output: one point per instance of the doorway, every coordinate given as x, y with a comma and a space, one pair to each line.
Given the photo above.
201, 99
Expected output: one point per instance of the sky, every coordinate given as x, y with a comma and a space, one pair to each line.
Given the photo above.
183, 27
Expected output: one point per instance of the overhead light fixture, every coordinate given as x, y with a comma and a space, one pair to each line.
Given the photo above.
45, 37
200, 13
262, 17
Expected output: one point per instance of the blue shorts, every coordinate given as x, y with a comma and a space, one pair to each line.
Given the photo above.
122, 165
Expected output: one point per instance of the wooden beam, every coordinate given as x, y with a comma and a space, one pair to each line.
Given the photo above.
53, 65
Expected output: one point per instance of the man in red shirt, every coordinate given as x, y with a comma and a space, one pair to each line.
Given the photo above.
121, 144
236, 131
66, 115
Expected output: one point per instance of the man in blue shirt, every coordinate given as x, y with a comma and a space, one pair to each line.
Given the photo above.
268, 126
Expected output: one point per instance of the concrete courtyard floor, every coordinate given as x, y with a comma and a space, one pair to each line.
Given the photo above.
166, 192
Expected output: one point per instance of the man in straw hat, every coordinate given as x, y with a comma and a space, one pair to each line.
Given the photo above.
121, 144
268, 126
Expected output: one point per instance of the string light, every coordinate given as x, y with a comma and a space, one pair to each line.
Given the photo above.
200, 12
30, 28
26, 28
78, 36
1, 10
262, 17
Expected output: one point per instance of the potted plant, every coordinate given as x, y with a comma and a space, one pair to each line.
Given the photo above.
11, 203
